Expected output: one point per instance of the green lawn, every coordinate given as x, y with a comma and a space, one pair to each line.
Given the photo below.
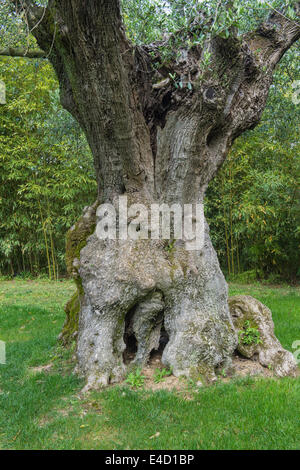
43, 410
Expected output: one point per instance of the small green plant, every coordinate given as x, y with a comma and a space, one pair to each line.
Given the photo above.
206, 59
249, 334
161, 374
135, 379
170, 247
179, 83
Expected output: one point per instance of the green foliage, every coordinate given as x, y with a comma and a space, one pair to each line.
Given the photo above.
249, 334
161, 374
15, 28
135, 378
150, 20
46, 171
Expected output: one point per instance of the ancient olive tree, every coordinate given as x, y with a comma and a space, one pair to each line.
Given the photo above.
159, 129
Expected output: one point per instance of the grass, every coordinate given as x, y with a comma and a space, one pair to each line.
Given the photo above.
40, 410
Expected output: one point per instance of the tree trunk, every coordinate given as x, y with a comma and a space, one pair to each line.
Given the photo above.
155, 139
138, 297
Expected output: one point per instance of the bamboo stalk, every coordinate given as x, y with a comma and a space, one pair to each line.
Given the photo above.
46, 242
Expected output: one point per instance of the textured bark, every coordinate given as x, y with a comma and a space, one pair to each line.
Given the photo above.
156, 143
249, 312
140, 289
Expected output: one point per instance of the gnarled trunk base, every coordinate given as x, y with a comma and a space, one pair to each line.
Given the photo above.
139, 297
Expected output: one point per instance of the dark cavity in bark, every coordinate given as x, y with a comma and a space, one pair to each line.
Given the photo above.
131, 342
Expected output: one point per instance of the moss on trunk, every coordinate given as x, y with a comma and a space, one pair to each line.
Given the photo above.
76, 239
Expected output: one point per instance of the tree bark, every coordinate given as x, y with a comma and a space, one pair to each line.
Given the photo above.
155, 139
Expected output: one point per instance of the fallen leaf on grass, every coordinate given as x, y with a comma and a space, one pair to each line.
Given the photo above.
155, 435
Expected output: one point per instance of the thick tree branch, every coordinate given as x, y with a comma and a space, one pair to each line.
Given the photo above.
274, 37
20, 52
